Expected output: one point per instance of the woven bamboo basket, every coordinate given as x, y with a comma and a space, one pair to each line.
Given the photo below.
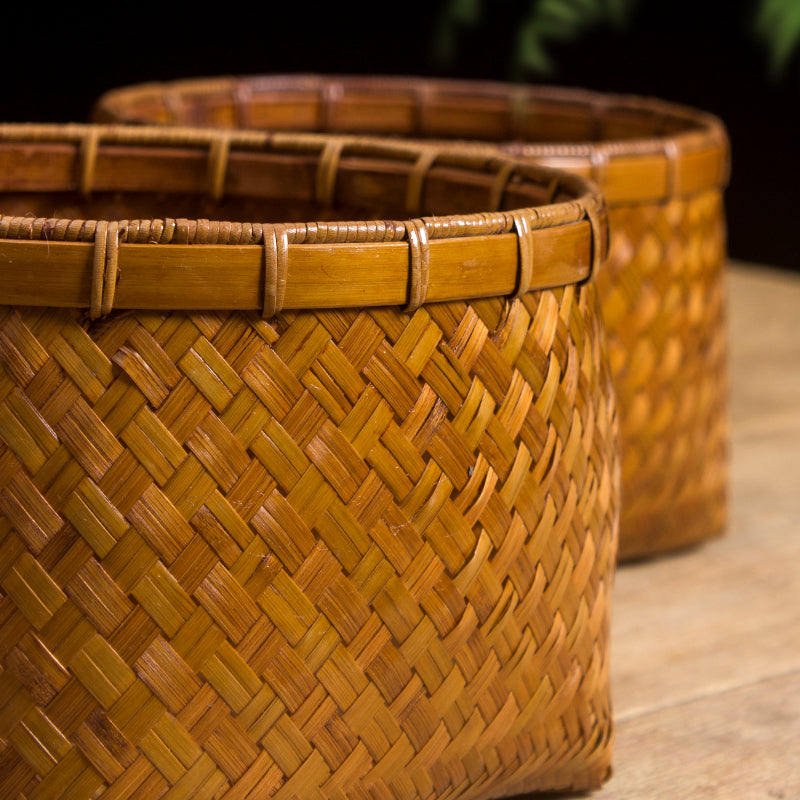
662, 168
320, 509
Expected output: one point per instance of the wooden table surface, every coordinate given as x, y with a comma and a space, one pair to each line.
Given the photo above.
706, 644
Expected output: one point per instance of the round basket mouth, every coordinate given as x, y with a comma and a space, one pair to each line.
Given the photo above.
673, 149
393, 222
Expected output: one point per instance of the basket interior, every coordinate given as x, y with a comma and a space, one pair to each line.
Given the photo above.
141, 182
402, 106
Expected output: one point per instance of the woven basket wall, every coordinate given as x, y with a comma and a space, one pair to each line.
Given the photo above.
349, 529
662, 168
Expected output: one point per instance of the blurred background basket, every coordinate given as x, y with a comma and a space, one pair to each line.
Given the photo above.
300, 509
662, 168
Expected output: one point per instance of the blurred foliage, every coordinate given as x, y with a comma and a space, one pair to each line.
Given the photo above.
562, 21
545, 22
778, 26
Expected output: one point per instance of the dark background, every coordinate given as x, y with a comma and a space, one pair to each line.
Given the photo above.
700, 53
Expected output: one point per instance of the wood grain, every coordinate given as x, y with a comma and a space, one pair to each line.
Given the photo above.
724, 611
765, 351
743, 743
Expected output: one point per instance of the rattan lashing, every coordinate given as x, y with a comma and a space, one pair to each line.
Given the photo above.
262, 549
661, 167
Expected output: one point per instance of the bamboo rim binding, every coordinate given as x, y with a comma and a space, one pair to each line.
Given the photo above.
683, 150
568, 202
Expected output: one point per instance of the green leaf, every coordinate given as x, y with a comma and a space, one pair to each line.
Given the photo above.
457, 13
545, 21
778, 26
530, 52
561, 20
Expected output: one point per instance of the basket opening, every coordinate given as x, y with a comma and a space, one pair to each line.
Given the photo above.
417, 108
130, 182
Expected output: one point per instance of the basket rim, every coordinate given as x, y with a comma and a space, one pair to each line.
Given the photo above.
427, 244
690, 161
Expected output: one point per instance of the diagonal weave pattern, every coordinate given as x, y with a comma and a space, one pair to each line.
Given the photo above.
663, 299
662, 168
344, 553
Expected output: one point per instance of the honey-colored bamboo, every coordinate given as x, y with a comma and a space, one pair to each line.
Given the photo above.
662, 168
286, 508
